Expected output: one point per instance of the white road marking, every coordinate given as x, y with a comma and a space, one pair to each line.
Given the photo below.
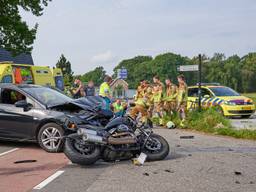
10, 151
48, 180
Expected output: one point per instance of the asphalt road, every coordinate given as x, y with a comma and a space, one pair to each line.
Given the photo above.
205, 163
239, 123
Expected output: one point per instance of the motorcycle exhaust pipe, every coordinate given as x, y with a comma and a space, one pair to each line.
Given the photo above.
91, 136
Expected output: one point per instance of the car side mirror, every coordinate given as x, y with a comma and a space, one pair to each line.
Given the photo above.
206, 96
23, 104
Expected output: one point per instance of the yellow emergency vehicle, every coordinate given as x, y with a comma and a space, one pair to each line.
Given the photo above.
30, 74
228, 101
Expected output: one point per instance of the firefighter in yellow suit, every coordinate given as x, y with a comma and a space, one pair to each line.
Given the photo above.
142, 105
170, 96
182, 95
141, 90
158, 89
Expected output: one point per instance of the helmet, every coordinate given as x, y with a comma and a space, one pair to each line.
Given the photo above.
170, 125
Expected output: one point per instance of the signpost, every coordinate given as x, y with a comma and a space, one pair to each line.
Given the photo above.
199, 82
122, 73
188, 68
198, 68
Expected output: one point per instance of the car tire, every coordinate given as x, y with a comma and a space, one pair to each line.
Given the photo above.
50, 138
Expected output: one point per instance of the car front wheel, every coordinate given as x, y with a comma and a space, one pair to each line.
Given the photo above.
50, 138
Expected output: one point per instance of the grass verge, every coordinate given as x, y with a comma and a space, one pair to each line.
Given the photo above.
210, 121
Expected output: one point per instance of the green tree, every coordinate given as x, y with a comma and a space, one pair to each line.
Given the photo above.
137, 69
165, 65
215, 66
65, 67
248, 72
15, 34
205, 68
145, 67
232, 70
97, 76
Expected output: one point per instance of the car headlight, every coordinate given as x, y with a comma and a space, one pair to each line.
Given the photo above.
249, 102
72, 125
229, 103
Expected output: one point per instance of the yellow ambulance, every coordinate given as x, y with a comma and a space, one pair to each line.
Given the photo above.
30, 74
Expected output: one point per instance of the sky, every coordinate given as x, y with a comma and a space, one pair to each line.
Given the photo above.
93, 33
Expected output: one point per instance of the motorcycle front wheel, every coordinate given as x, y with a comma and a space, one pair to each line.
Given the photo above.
156, 148
79, 152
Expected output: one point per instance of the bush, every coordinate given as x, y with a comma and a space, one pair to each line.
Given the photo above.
210, 121
207, 119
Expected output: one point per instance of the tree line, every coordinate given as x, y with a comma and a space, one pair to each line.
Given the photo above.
236, 72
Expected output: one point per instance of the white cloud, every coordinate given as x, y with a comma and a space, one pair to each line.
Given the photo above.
103, 57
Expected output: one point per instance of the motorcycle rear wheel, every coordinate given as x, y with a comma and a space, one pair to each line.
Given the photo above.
156, 148
81, 154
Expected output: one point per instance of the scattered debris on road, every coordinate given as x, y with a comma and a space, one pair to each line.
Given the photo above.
169, 171
238, 173
187, 137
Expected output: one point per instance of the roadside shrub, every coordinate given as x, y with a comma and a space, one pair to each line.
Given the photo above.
207, 119
211, 121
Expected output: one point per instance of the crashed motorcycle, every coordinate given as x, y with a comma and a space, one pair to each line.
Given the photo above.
121, 139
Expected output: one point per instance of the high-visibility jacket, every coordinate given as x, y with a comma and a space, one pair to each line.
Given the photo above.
171, 93
104, 90
182, 94
117, 107
147, 100
157, 97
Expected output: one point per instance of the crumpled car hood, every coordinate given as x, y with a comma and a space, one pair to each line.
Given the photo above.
78, 104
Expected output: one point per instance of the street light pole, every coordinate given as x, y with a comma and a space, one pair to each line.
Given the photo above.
199, 82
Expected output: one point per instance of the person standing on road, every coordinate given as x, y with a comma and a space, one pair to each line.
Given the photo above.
105, 91
182, 95
170, 96
142, 106
90, 89
78, 90
158, 88
140, 90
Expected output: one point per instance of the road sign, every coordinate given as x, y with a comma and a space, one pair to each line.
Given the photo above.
188, 68
122, 73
